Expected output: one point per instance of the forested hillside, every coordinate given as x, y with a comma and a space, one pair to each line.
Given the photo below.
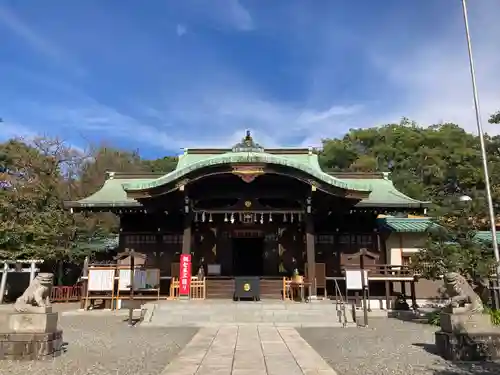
426, 163
429, 163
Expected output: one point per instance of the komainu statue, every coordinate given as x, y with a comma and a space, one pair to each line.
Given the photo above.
462, 294
36, 298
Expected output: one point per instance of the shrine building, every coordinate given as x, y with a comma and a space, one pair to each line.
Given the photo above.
250, 211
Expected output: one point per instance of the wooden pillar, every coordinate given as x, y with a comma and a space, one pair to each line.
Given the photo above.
186, 237
311, 254
403, 288
387, 295
414, 305
188, 219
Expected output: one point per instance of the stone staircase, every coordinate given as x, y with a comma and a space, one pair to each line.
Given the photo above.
222, 312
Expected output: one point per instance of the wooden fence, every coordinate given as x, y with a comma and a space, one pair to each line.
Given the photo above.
198, 290
66, 293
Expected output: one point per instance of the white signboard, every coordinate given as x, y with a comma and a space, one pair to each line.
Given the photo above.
152, 278
139, 279
353, 279
101, 280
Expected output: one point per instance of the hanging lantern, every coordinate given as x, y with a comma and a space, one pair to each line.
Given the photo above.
291, 218
254, 218
284, 218
232, 219
203, 217
262, 218
225, 217
210, 218
270, 218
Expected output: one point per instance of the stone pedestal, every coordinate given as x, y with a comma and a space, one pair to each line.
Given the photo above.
478, 346
30, 336
461, 322
467, 337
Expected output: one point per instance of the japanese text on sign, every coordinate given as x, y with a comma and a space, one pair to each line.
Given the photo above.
185, 274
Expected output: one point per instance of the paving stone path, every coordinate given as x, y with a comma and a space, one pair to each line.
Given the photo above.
248, 350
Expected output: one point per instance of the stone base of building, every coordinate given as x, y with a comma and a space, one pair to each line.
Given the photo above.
30, 346
468, 346
30, 336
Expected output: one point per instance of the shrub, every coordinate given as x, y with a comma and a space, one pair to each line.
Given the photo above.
432, 318
494, 315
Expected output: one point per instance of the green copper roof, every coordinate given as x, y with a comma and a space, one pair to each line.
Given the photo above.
305, 163
405, 225
384, 194
417, 225
485, 236
111, 194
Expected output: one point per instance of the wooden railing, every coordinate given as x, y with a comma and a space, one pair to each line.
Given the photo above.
198, 289
386, 270
66, 293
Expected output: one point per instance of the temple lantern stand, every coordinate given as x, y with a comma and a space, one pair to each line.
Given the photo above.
364, 284
130, 253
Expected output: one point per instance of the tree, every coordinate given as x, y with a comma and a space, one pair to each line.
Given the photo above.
495, 118
37, 179
453, 245
422, 160
165, 164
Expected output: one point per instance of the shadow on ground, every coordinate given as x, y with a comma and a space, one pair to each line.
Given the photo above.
429, 348
466, 368
409, 316
461, 368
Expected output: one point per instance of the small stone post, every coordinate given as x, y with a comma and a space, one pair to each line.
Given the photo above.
3, 283
32, 271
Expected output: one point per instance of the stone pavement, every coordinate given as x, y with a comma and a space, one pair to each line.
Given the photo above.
248, 350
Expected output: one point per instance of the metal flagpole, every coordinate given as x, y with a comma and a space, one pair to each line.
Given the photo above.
483, 153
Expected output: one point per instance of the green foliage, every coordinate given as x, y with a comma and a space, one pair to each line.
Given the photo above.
36, 178
495, 118
452, 245
165, 164
432, 318
423, 160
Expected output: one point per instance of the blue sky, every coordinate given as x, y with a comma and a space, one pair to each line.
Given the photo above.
159, 75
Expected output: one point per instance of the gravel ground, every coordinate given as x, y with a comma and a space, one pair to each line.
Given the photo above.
105, 345
388, 346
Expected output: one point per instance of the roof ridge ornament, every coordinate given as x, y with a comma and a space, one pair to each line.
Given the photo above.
247, 144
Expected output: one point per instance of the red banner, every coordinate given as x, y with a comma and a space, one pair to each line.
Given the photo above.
185, 275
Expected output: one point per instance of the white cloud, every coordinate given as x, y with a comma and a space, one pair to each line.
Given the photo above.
239, 15
427, 80
14, 130
180, 29
220, 14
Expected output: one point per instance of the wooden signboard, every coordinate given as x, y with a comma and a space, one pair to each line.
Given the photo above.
101, 280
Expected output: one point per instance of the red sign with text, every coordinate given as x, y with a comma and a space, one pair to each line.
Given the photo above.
185, 275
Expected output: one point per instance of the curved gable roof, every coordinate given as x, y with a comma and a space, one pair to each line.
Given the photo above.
302, 162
